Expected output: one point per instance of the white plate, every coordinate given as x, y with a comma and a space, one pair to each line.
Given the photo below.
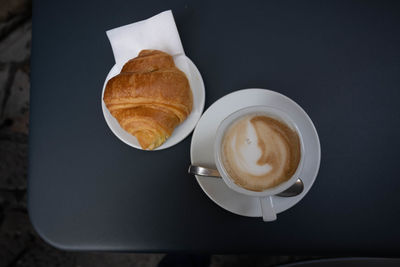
202, 154
180, 132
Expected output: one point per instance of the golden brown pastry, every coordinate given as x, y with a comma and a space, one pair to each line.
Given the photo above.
149, 98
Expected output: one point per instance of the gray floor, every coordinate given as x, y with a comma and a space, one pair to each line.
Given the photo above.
19, 244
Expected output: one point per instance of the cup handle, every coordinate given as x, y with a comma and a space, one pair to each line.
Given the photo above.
267, 209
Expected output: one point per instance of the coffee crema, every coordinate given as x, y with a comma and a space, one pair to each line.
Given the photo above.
260, 152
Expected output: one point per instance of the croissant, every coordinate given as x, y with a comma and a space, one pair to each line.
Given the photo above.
149, 98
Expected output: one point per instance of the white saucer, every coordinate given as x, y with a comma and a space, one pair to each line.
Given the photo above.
180, 132
202, 154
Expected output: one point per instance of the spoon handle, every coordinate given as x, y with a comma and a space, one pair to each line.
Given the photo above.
292, 191
201, 171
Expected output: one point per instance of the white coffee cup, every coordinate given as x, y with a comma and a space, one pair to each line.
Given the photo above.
265, 196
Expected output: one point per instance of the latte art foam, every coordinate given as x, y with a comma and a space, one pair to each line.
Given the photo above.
260, 152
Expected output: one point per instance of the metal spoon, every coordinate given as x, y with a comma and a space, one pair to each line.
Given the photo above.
292, 191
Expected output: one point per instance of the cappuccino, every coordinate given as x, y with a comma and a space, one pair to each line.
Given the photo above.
260, 152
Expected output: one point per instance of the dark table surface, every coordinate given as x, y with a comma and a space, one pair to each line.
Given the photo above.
339, 60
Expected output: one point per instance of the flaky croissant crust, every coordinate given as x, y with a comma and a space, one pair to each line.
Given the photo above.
149, 98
